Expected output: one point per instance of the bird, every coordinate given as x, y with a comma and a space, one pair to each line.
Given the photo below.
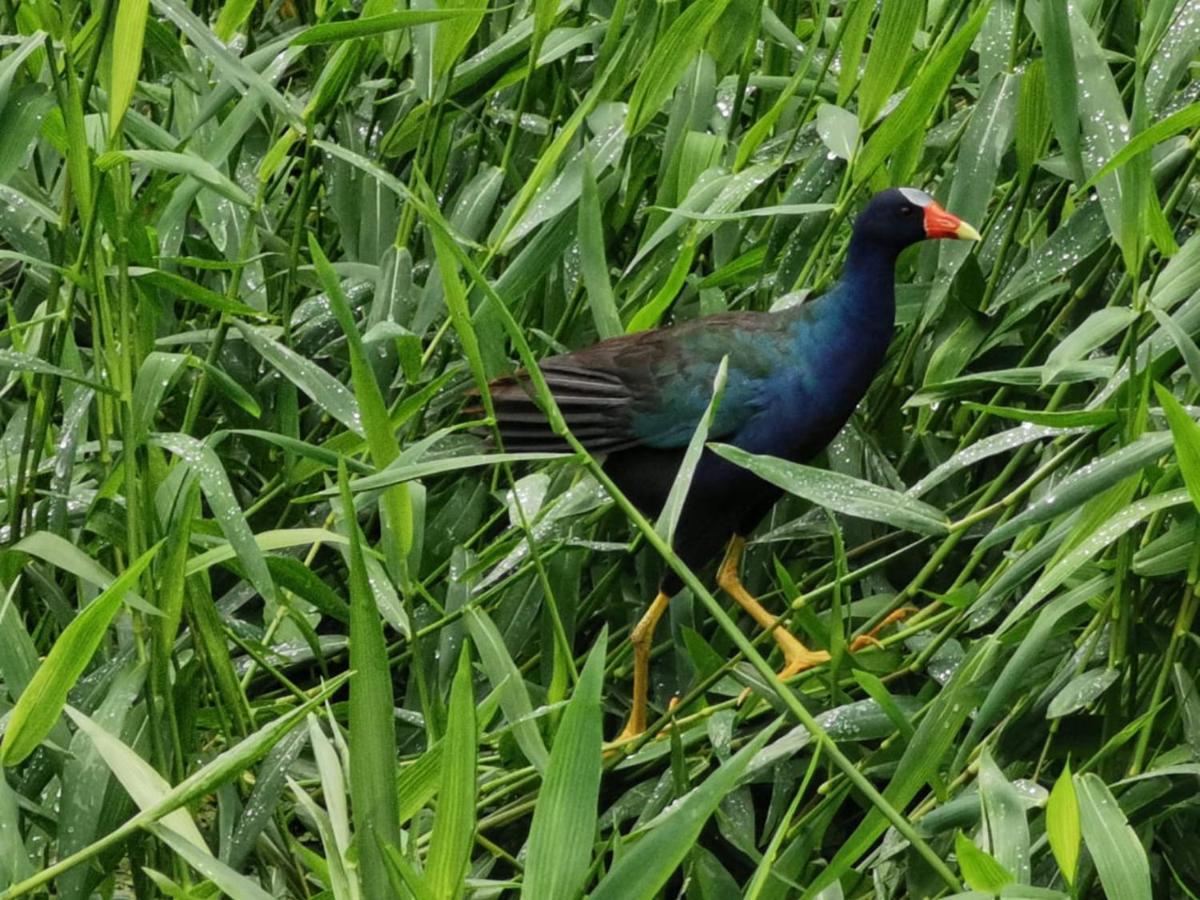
794, 378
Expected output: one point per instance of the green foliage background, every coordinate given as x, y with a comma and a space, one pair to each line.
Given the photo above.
275, 623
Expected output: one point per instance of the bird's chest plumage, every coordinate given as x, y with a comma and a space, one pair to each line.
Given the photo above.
801, 406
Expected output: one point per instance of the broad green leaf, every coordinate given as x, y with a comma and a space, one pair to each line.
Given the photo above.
277, 539
1033, 116
669, 59
15, 361
1176, 123
921, 764
927, 90
1084, 483
373, 748
668, 517
329, 393
1105, 125
507, 680
1011, 678
1054, 31
395, 503
855, 25
840, 493
179, 164
187, 289
839, 131
1186, 435
1105, 534
143, 783
593, 258
455, 33
1180, 278
402, 470
220, 770
233, 16
1095, 331
562, 833
337, 876
214, 50
1115, 848
69, 557
1004, 816
979, 869
1062, 824
218, 490
1081, 691
1065, 418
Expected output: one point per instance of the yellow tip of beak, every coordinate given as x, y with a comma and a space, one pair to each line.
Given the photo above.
965, 232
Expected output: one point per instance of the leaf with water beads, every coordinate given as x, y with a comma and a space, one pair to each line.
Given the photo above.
840, 493
1084, 483
1081, 691
218, 491
1099, 539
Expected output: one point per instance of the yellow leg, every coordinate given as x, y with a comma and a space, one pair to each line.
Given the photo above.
642, 638
796, 656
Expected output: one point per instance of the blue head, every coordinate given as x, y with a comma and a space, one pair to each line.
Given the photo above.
898, 217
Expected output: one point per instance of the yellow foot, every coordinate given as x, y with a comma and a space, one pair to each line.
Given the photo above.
627, 734
804, 659
797, 658
870, 639
634, 729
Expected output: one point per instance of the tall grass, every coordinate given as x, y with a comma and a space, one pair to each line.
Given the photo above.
276, 623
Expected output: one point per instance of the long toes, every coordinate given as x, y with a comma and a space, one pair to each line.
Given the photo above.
865, 640
801, 662
796, 664
870, 639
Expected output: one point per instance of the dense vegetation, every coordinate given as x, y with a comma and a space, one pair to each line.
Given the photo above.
275, 624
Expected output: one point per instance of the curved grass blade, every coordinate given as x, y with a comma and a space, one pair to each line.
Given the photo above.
841, 493
43, 699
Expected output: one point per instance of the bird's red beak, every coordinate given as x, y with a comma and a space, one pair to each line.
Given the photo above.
942, 224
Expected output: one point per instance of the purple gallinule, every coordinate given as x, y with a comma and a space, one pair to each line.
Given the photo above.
794, 378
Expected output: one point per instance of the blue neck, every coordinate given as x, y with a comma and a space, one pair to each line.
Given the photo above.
860, 310
868, 286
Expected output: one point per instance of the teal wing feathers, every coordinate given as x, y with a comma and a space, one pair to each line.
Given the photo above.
647, 389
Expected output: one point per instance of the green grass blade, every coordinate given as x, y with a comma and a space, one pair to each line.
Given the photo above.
128, 35
672, 54
454, 826
926, 91
562, 833
1186, 434
372, 732
1115, 848
888, 56
507, 680
372, 26
645, 868
42, 701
